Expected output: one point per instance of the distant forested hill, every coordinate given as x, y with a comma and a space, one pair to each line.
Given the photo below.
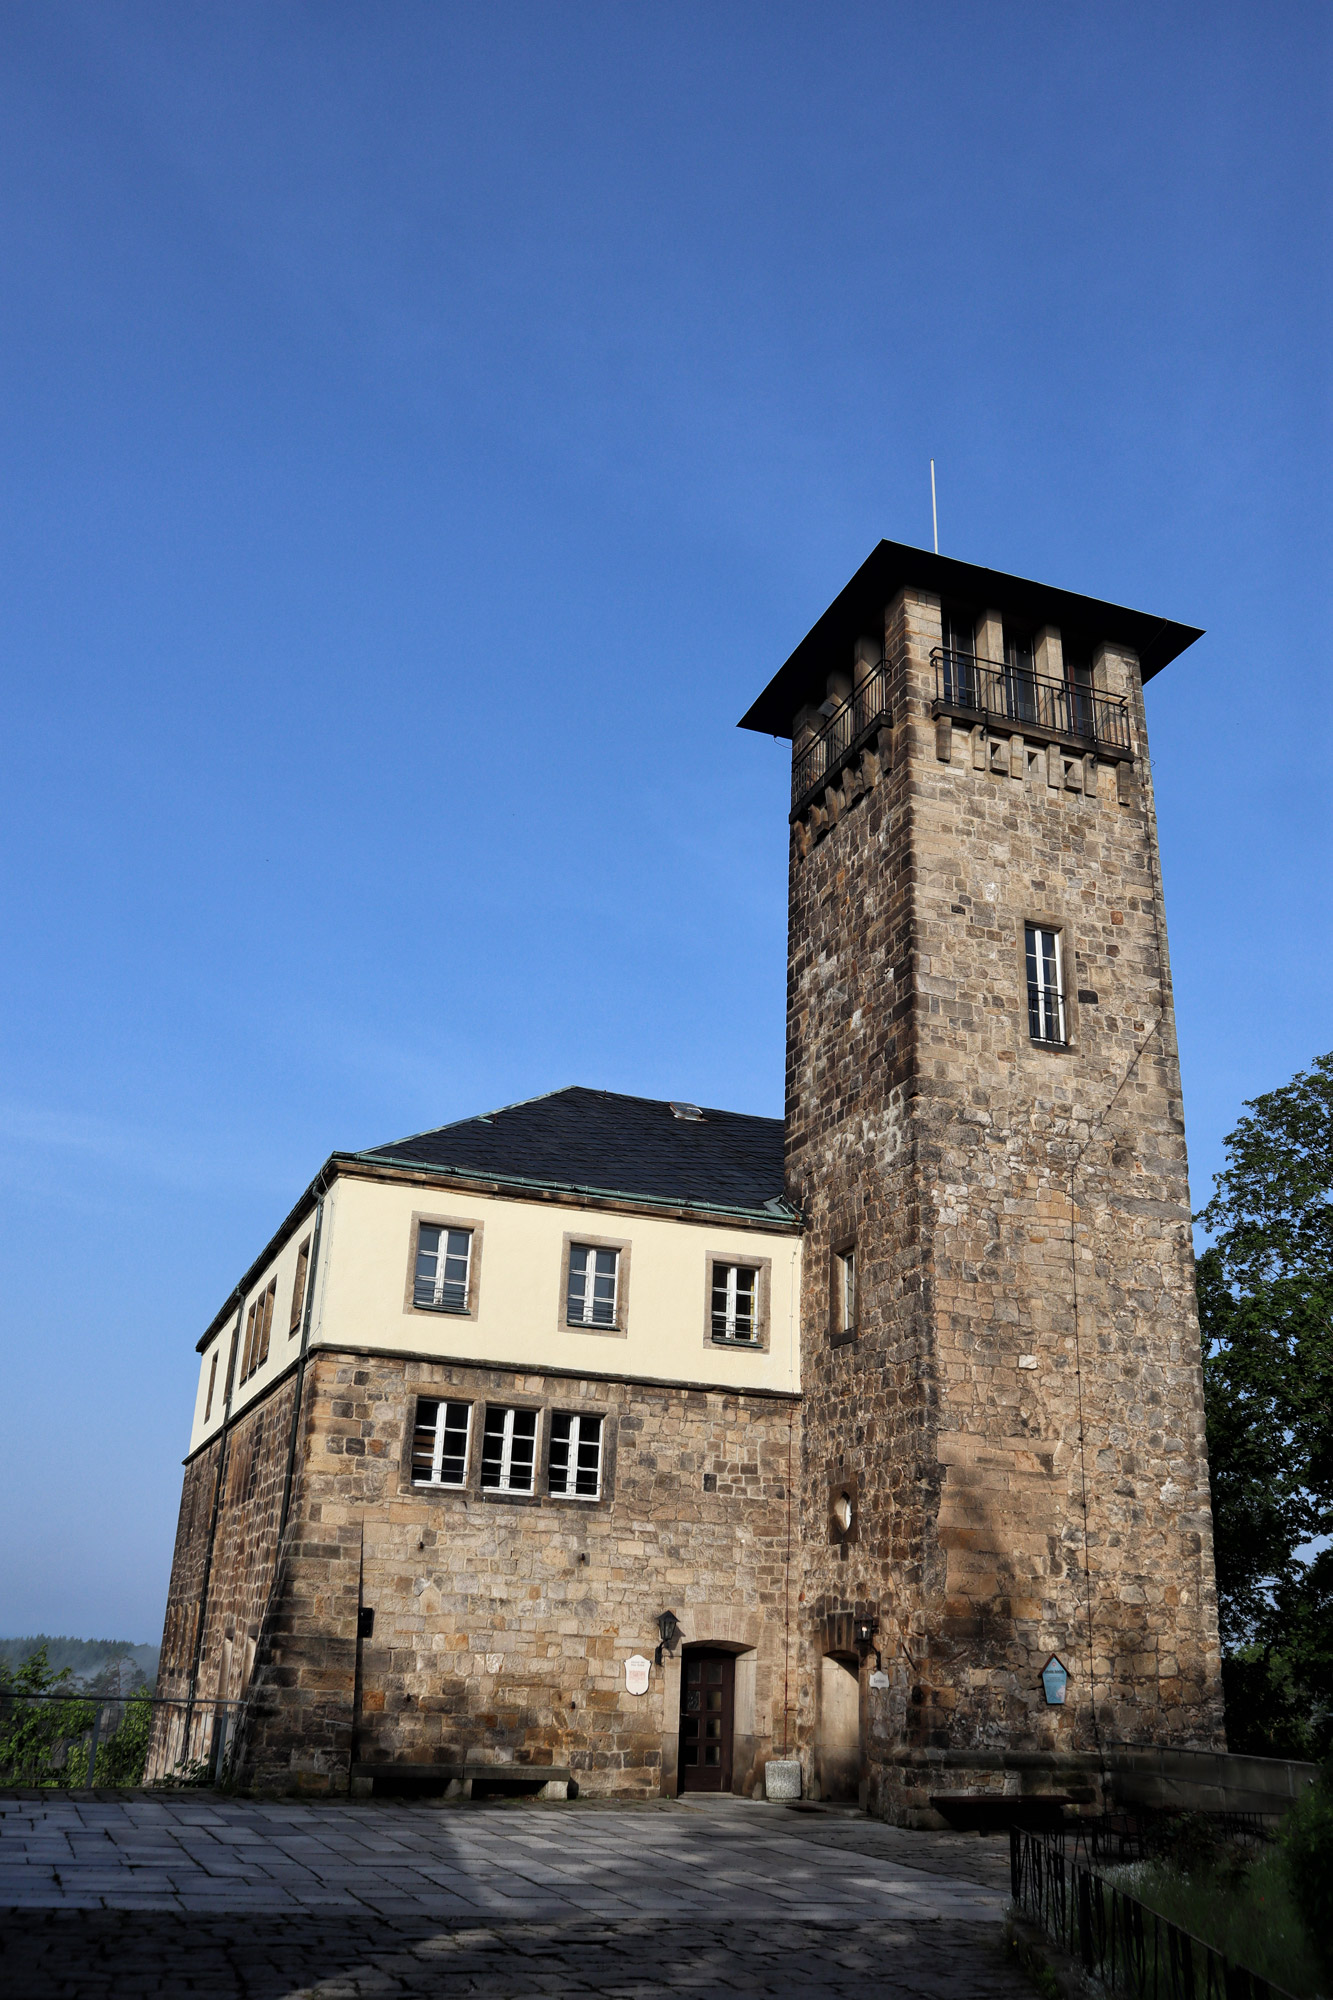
85, 1658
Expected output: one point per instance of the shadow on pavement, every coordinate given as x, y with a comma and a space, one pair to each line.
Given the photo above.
135, 1954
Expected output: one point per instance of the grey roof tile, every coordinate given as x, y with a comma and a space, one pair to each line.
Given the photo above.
599, 1140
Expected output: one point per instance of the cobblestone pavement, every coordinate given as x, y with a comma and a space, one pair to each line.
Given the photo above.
272, 1900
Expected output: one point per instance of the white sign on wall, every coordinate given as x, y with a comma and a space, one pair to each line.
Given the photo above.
879, 1679
637, 1670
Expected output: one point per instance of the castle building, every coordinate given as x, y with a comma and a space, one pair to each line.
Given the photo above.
624, 1445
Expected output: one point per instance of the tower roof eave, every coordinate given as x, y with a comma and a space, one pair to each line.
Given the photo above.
858, 610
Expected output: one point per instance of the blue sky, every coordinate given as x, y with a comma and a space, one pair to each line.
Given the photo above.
424, 429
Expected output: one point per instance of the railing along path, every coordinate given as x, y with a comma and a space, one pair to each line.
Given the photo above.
1115, 1937
73, 1741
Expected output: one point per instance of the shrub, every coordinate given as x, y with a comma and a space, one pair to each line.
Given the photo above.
1307, 1834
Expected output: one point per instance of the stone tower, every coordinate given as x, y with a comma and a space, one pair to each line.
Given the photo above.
1004, 1464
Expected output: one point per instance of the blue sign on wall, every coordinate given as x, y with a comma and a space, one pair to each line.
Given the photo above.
1055, 1679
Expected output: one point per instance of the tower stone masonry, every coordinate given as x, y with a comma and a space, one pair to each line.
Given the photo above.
1004, 1454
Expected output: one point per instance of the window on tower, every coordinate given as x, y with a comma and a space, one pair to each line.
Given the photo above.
844, 1292
1046, 989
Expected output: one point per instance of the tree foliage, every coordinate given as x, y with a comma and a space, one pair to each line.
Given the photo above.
1266, 1314
46, 1724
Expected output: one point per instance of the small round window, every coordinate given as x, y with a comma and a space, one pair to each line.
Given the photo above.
842, 1511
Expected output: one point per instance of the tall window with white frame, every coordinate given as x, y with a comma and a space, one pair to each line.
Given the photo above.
594, 1282
844, 1290
1046, 987
440, 1442
575, 1459
298, 1289
735, 1303
443, 1267
508, 1450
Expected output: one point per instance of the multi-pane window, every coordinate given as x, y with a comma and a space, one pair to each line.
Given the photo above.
508, 1450
844, 1290
258, 1327
439, 1443
298, 1289
735, 1302
593, 1278
576, 1457
444, 1258
1046, 992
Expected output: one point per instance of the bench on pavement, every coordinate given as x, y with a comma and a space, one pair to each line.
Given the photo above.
461, 1781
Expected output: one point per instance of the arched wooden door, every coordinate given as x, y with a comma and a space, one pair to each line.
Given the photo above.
707, 1717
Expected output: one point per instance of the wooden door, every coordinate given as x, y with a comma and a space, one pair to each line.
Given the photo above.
707, 1705
838, 1739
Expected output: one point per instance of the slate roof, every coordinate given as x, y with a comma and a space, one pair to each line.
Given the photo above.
598, 1141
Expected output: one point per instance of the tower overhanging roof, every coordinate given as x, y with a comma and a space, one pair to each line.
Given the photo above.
858, 611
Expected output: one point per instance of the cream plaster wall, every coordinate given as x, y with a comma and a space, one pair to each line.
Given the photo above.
282, 1348
362, 1292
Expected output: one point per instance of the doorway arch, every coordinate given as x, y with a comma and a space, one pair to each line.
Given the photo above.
838, 1735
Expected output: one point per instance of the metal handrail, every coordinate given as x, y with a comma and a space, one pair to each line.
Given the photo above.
1017, 696
850, 723
1117, 1938
71, 1739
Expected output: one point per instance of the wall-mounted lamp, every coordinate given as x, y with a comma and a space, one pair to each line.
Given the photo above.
668, 1626
865, 1630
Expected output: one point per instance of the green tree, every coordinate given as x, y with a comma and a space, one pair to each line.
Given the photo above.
41, 1713
1266, 1314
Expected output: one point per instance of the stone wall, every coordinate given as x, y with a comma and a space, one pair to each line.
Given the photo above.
1027, 1344
222, 1574
502, 1625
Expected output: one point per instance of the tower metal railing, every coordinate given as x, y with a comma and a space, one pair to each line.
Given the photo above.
993, 692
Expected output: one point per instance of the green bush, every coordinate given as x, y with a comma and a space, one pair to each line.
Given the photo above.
1307, 1834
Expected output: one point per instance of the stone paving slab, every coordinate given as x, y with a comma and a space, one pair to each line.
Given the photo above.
130, 1955
278, 1901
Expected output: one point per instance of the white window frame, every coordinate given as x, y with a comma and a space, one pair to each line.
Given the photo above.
443, 1405
442, 1254
586, 1281
846, 1269
1043, 951
510, 1415
730, 1313
582, 1429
